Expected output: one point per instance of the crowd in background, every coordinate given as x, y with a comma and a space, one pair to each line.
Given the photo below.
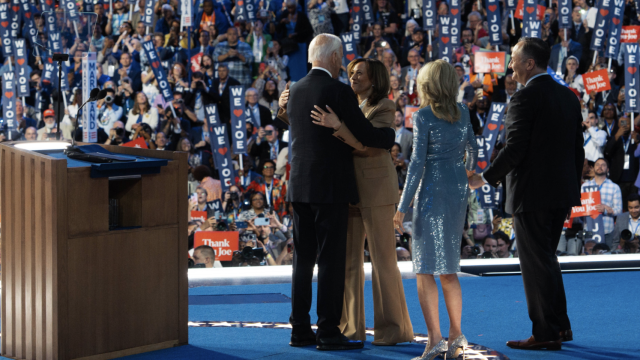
219, 51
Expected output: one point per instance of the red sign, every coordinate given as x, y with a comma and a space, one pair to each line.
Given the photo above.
408, 115
198, 215
137, 143
489, 61
519, 12
630, 34
195, 62
596, 81
224, 243
589, 201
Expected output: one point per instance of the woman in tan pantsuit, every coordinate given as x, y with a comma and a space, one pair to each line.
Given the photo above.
372, 216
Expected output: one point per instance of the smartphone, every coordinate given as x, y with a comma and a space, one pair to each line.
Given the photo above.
268, 132
241, 224
623, 123
383, 44
51, 135
547, 18
262, 221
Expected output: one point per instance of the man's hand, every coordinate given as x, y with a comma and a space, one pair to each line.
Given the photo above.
476, 182
284, 97
601, 208
261, 133
496, 222
232, 52
587, 124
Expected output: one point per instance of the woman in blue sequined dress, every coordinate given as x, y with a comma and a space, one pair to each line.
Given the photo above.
437, 183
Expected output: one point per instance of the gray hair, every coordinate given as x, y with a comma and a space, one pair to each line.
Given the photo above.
473, 13
251, 89
323, 46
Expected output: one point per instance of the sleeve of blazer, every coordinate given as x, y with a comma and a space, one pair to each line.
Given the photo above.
344, 134
362, 129
382, 116
519, 123
283, 116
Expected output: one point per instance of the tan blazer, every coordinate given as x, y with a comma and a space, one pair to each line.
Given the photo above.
375, 173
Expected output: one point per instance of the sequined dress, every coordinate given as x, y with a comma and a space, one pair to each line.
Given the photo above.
437, 178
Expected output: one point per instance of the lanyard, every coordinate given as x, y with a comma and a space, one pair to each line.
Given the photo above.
635, 232
587, 141
626, 144
267, 192
600, 187
609, 128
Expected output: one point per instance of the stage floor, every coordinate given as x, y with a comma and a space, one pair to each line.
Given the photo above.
250, 321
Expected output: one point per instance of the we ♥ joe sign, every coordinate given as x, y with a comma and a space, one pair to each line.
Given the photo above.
596, 81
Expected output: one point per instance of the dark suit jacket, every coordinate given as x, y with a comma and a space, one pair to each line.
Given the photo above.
614, 152
575, 49
263, 150
543, 156
322, 166
224, 107
135, 74
265, 115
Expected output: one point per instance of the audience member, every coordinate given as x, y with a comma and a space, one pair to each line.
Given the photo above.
610, 197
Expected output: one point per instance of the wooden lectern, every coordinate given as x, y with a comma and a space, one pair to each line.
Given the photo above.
72, 288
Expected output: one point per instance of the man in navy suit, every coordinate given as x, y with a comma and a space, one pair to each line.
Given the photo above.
129, 69
562, 50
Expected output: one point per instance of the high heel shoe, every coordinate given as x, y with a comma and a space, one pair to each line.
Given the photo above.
439, 349
458, 344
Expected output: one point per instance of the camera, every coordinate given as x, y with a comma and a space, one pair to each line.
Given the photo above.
109, 98
119, 131
626, 235
233, 196
268, 132
475, 250
199, 86
126, 80
222, 226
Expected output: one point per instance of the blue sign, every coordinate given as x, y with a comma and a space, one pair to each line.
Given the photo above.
367, 11
615, 28
158, 71
429, 14
238, 122
9, 103
454, 11
222, 155
495, 22
357, 18
349, 47
601, 27
211, 114
565, 7
596, 226
444, 40
532, 29
631, 77
22, 73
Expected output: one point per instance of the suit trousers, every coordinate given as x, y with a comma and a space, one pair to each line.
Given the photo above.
391, 317
537, 237
319, 234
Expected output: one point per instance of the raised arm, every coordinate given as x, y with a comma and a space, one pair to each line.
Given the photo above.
418, 161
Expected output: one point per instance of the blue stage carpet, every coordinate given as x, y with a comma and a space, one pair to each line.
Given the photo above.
603, 308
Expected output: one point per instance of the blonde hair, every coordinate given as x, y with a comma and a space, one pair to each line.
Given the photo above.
438, 87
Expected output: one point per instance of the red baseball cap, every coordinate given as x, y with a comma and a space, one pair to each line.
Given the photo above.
49, 112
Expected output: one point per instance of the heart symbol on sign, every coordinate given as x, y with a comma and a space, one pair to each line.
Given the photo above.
50, 60
9, 94
604, 12
445, 40
530, 9
155, 64
356, 8
632, 70
4, 23
223, 151
501, 127
351, 56
28, 15
240, 3
616, 21
20, 62
492, 126
482, 164
454, 11
493, 8
237, 112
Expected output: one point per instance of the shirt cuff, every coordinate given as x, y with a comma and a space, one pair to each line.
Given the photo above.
483, 179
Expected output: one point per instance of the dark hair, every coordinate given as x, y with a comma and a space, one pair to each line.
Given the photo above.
206, 251
201, 172
490, 236
265, 162
399, 109
633, 197
615, 111
379, 77
536, 49
600, 246
265, 95
502, 236
398, 145
603, 159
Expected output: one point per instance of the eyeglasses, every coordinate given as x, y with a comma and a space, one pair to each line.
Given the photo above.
256, 199
268, 167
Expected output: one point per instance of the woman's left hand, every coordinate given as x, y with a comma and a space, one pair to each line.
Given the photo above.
397, 221
326, 119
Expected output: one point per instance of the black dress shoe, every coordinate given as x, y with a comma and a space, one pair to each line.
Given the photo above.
339, 342
566, 335
303, 339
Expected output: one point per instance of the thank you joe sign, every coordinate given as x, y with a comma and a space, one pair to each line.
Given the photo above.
489, 61
224, 243
596, 81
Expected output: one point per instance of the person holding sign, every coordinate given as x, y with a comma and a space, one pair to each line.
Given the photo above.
610, 197
540, 207
619, 150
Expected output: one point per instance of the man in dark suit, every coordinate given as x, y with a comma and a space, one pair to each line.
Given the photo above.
321, 186
561, 51
220, 92
260, 115
619, 150
129, 69
540, 206
267, 145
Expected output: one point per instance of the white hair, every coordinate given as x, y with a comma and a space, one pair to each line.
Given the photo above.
323, 46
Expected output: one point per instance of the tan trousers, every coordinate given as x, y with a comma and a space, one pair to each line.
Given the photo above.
391, 317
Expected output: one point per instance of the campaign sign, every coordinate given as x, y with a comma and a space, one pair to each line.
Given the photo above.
90, 111
486, 195
5, 30
215, 205
70, 8
349, 46
241, 13
511, 5
490, 134
565, 7
495, 22
532, 9
596, 81
211, 115
27, 17
147, 16
21, 67
138, 143
15, 19
53, 41
588, 201
158, 71
600, 29
198, 215
238, 127
251, 8
444, 40
489, 61
408, 115
367, 11
429, 14
224, 243
629, 34
357, 17
222, 155
9, 102
615, 28
593, 223
532, 29
631, 77
454, 11
88, 6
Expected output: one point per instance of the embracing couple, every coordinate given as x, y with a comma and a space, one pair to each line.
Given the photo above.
339, 137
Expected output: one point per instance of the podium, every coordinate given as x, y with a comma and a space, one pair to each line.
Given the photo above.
71, 287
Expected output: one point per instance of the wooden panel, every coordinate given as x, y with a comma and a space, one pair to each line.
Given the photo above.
182, 244
122, 291
88, 203
160, 197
